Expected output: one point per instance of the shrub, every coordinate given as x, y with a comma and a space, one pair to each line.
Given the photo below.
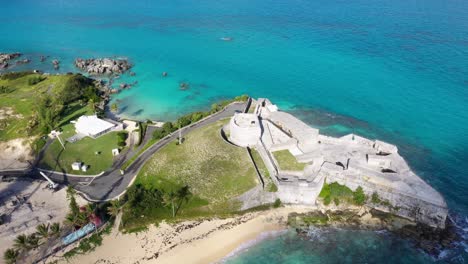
114, 107
336, 201
375, 198
121, 137
79, 87
272, 187
325, 190
168, 128
6, 89
14, 75
338, 193
277, 203
39, 144
359, 197
35, 80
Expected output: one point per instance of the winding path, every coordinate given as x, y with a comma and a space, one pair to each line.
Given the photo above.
112, 183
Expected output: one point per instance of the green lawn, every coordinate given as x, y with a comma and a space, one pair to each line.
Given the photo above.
21, 99
215, 170
57, 159
287, 161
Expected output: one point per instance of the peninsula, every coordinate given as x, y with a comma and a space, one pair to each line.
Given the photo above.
300, 161
243, 167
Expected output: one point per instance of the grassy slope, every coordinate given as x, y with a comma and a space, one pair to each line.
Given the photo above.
55, 158
287, 161
22, 100
269, 185
215, 170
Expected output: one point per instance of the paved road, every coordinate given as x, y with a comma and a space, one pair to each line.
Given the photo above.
112, 184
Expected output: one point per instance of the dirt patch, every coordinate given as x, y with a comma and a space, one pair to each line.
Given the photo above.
8, 112
28, 203
16, 153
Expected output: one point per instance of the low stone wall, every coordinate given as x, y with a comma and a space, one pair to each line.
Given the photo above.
296, 194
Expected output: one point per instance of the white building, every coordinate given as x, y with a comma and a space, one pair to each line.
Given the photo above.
245, 129
76, 166
92, 126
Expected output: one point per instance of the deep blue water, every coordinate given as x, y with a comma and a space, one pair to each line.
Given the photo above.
395, 70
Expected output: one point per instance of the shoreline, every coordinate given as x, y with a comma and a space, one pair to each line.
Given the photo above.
204, 241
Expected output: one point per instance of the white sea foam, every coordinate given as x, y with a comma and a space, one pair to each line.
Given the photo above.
247, 245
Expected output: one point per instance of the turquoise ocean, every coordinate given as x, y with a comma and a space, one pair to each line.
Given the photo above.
389, 69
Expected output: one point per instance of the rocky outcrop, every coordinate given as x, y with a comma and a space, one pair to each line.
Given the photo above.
431, 240
6, 57
104, 66
56, 64
431, 212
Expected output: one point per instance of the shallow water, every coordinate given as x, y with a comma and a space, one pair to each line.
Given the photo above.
393, 70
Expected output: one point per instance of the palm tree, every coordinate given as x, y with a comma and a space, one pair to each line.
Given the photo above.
42, 231
33, 241
82, 219
183, 194
10, 256
89, 209
71, 219
114, 208
21, 242
55, 229
70, 192
170, 199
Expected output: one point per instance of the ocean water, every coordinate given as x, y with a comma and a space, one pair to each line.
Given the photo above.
394, 70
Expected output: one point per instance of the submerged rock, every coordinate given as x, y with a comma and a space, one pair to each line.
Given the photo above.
184, 86
23, 61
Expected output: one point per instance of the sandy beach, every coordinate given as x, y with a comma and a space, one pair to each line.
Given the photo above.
188, 242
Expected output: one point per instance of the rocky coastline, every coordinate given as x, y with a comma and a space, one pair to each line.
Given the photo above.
429, 239
103, 66
5, 58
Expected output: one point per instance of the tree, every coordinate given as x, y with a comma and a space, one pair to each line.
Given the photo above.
183, 195
183, 121
170, 199
168, 127
10, 256
48, 113
121, 138
21, 242
55, 229
42, 231
74, 217
92, 105
33, 241
114, 208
